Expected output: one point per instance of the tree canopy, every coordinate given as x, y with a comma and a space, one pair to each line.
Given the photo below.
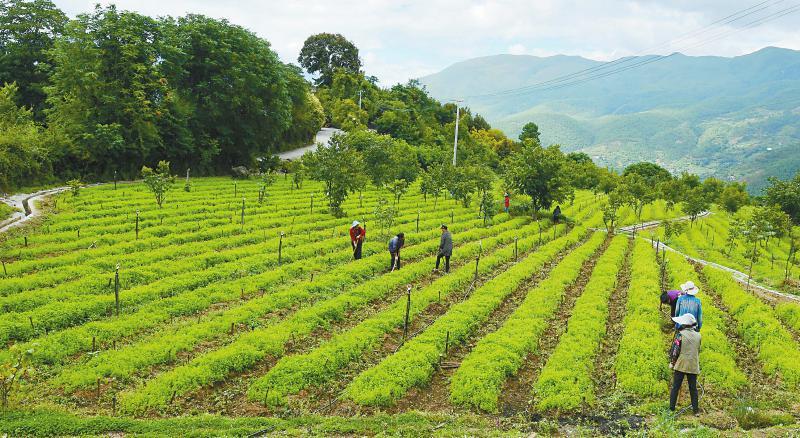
324, 53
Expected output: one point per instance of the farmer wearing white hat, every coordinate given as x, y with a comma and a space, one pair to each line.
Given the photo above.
357, 238
685, 359
689, 303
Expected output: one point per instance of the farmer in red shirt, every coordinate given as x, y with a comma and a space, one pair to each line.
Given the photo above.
357, 238
506, 202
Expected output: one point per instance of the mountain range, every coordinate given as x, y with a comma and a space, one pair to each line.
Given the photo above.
734, 118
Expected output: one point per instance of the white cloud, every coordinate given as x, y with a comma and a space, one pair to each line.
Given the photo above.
405, 39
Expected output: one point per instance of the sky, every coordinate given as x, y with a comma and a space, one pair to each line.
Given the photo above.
399, 39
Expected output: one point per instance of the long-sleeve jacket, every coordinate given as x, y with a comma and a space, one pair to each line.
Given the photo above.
690, 304
357, 233
446, 244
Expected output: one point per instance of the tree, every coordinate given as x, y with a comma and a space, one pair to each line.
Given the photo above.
14, 371
653, 174
397, 188
639, 192
530, 131
27, 32
616, 199
695, 202
243, 100
733, 197
786, 194
267, 179
465, 180
298, 171
539, 173
754, 230
385, 159
159, 181
384, 214
24, 157
324, 53
339, 167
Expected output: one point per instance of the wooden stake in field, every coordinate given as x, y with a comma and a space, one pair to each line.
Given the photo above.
242, 229
115, 180
516, 250
137, 224
312, 204
116, 289
5, 273
418, 221
280, 250
477, 260
408, 310
446, 342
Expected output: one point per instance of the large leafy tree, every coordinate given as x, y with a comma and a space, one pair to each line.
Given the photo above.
653, 174
322, 54
27, 32
385, 159
530, 132
23, 157
786, 194
109, 94
237, 86
540, 173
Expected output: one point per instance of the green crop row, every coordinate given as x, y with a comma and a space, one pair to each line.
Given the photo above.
789, 313
62, 314
251, 347
641, 362
294, 373
125, 362
238, 251
480, 378
566, 383
717, 356
414, 363
56, 346
757, 325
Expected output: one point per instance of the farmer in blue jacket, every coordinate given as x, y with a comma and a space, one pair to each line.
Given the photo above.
689, 303
395, 244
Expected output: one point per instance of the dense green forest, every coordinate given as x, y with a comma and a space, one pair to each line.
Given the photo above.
113, 90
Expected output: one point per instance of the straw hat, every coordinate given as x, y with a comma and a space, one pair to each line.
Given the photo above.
689, 288
686, 319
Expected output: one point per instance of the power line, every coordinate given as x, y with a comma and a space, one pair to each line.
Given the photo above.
618, 65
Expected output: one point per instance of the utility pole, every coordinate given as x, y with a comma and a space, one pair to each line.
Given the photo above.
359, 98
455, 138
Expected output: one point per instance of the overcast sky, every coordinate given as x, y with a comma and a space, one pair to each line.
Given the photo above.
401, 39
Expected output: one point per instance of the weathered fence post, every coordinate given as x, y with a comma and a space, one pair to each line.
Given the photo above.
280, 250
312, 204
242, 229
115, 180
408, 309
418, 221
116, 289
137, 224
516, 250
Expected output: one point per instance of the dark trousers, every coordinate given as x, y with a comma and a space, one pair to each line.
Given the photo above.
672, 306
357, 249
446, 262
676, 388
395, 260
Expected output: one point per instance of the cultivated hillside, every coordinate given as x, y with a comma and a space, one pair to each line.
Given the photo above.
735, 118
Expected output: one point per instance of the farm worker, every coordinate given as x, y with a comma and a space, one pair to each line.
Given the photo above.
445, 249
506, 202
685, 359
689, 303
395, 244
671, 297
357, 238
557, 214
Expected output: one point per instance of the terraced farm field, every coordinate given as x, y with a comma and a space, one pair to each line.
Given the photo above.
219, 315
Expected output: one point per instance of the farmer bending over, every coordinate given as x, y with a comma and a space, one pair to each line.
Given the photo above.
357, 238
689, 303
395, 244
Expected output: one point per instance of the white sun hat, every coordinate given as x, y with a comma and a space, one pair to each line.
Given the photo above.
686, 319
355, 223
689, 288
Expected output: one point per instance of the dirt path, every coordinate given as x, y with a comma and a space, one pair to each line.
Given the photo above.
652, 224
515, 397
